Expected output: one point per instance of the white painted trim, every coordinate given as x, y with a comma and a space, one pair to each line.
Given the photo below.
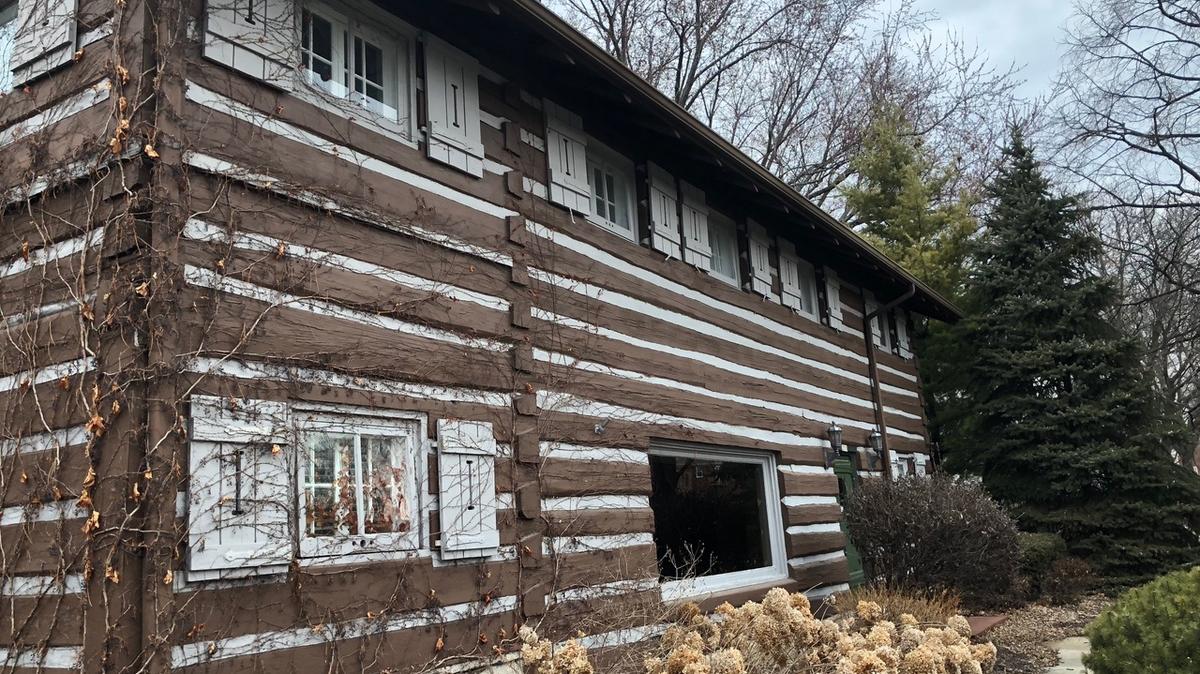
564, 360
187, 655
207, 278
54, 657
44, 311
47, 374
712, 360
613, 589
620, 300
745, 315
555, 401
811, 560
824, 528
571, 452
622, 637
537, 189
898, 373
217, 166
225, 105
40, 442
804, 469
53, 511
55, 251
246, 369
791, 501
88, 98
37, 586
200, 230
822, 592
564, 545
594, 502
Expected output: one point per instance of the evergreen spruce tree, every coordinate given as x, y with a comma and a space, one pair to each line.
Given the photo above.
902, 203
1058, 416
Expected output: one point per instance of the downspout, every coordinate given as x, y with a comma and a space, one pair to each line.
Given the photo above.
873, 373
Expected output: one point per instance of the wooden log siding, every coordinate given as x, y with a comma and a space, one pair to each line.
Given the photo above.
345, 268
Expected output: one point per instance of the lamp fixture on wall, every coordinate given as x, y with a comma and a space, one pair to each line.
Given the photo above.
876, 454
835, 444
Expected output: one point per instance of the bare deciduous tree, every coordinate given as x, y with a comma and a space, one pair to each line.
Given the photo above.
794, 83
1132, 101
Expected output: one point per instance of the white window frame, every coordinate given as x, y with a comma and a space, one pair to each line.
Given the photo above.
803, 291
600, 156
399, 43
8, 42
358, 546
718, 220
777, 570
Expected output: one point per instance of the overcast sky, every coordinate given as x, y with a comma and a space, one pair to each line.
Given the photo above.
1026, 32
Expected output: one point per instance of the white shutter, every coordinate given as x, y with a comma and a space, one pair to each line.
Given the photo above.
664, 212
255, 37
870, 306
922, 464
797, 278
902, 340
452, 107
697, 249
760, 260
239, 488
467, 489
566, 157
833, 298
45, 38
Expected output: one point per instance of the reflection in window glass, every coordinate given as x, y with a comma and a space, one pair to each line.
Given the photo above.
316, 45
610, 194
8, 35
722, 238
355, 484
710, 516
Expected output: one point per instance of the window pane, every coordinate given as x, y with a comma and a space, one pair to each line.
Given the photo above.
322, 38
332, 487
710, 516
373, 63
8, 35
723, 240
387, 507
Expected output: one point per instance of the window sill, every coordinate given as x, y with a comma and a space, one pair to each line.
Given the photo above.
626, 234
354, 113
736, 594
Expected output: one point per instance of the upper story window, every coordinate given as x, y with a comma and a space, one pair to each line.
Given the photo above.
8, 37
347, 59
358, 479
722, 239
798, 279
610, 177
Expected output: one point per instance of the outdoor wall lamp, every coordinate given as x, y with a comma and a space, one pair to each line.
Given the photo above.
835, 444
876, 453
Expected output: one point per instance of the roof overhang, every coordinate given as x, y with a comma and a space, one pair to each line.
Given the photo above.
574, 71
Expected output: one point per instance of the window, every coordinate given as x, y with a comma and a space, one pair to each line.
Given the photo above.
716, 518
722, 238
8, 38
798, 279
358, 481
880, 330
610, 177
349, 60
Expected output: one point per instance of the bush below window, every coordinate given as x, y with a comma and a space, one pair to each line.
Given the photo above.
935, 533
1152, 628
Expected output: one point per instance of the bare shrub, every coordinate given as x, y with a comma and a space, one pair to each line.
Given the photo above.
936, 606
781, 635
936, 533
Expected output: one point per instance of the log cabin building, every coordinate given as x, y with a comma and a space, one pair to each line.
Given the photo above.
347, 336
